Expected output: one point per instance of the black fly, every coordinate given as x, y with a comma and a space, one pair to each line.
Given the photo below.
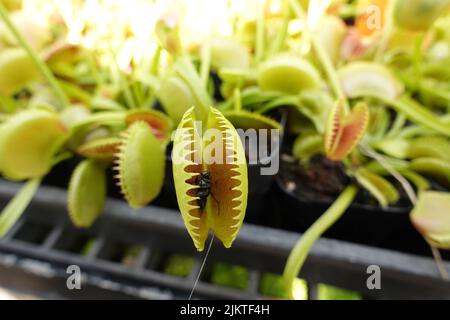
204, 188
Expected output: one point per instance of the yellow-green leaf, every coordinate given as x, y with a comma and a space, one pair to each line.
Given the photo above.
379, 187
28, 142
431, 217
419, 14
288, 74
86, 193
358, 78
15, 208
16, 70
140, 165
102, 149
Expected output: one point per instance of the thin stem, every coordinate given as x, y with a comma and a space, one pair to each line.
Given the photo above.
43, 68
101, 118
122, 81
413, 111
94, 69
282, 34
237, 100
440, 264
300, 252
409, 190
260, 33
189, 74
386, 32
323, 57
205, 62
417, 59
155, 61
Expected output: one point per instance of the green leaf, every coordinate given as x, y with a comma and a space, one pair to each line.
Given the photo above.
414, 112
394, 147
431, 217
28, 142
430, 147
15, 208
359, 77
379, 187
420, 182
432, 166
307, 146
418, 15
86, 193
186, 70
288, 74
140, 165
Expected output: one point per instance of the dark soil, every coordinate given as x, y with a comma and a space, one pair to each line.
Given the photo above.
323, 180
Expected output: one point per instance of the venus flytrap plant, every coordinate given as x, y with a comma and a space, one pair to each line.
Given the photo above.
139, 151
102, 149
140, 165
430, 217
287, 74
345, 131
224, 207
39, 64
29, 142
16, 71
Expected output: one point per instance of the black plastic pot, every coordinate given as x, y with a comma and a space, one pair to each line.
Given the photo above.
35, 255
371, 225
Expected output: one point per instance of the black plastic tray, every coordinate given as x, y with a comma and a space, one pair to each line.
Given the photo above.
45, 237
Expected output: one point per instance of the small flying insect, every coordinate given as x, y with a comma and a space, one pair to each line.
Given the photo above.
204, 189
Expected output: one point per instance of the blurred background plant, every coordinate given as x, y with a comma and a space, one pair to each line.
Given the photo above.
364, 84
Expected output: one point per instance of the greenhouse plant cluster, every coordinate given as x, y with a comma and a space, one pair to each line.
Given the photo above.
256, 149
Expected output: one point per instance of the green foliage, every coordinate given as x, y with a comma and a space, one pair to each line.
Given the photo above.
230, 276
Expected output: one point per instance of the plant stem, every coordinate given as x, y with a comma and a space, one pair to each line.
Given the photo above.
42, 67
189, 74
122, 81
282, 34
205, 62
260, 33
237, 100
15, 208
101, 118
414, 112
440, 264
323, 57
155, 61
412, 198
386, 32
417, 58
300, 252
